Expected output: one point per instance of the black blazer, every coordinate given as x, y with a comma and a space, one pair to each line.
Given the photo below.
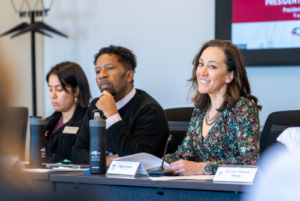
59, 145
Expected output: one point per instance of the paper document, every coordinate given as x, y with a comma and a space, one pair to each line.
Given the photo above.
58, 169
67, 169
194, 177
147, 160
74, 166
36, 170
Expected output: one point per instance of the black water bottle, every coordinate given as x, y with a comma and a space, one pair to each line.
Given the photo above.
37, 141
97, 144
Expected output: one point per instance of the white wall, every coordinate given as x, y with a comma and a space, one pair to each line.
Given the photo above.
277, 88
17, 56
165, 35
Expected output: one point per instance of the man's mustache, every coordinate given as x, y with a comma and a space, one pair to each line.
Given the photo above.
105, 82
109, 89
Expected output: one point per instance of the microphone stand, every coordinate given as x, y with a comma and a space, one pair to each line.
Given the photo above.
162, 171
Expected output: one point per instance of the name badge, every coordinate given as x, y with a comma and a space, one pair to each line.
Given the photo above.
70, 130
126, 168
235, 174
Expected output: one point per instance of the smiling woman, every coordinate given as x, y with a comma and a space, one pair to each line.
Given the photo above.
69, 93
224, 125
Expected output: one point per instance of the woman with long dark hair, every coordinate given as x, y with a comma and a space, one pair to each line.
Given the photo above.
224, 128
69, 93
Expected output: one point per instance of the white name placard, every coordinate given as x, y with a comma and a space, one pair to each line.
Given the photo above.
235, 174
126, 168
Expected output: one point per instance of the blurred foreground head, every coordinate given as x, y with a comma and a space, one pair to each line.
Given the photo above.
11, 180
5, 91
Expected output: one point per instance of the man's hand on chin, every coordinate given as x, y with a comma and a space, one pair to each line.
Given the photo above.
107, 104
109, 159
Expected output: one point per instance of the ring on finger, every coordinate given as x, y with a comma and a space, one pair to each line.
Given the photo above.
176, 172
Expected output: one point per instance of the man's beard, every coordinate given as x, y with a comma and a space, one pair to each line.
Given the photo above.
110, 89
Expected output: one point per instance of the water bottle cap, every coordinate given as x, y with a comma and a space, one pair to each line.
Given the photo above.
37, 120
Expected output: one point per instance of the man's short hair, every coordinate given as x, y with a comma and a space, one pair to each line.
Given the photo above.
125, 56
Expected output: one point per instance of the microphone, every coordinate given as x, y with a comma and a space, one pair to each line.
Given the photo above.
161, 171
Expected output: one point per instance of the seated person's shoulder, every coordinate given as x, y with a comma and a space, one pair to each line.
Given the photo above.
94, 101
196, 111
244, 104
92, 105
79, 114
246, 110
146, 100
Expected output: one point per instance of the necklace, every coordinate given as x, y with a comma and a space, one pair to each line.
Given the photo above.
213, 119
206, 114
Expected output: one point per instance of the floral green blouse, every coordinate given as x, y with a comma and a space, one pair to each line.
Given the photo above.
232, 140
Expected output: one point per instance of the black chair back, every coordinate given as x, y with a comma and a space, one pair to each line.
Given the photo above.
178, 119
17, 118
275, 124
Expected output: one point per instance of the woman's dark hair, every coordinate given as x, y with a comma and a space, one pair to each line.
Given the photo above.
70, 74
126, 57
238, 87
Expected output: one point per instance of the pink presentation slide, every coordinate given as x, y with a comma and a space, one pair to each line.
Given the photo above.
266, 24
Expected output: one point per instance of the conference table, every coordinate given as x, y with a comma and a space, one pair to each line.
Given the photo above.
137, 188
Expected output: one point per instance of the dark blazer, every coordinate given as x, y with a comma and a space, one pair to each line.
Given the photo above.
59, 145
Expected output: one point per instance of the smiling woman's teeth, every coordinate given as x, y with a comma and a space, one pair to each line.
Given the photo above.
203, 81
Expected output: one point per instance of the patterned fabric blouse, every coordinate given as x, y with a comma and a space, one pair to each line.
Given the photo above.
232, 140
